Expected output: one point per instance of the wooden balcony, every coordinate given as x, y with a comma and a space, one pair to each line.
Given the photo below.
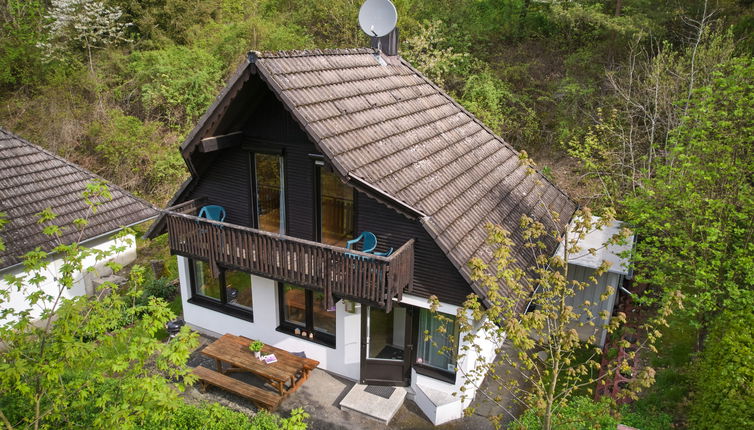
348, 274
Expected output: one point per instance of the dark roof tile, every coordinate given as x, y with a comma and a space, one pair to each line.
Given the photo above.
34, 179
380, 121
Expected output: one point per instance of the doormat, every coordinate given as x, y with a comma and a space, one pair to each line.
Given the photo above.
380, 390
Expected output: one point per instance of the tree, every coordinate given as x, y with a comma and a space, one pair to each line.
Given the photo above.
21, 29
723, 377
696, 213
541, 347
90, 362
631, 135
83, 24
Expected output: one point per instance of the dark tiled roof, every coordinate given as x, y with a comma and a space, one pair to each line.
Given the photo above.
33, 179
383, 124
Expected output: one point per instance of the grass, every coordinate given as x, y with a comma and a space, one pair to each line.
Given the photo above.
666, 400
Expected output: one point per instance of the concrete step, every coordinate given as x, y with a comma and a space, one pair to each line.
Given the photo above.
360, 400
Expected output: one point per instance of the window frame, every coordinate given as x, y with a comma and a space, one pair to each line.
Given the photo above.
319, 165
222, 304
252, 164
427, 370
287, 327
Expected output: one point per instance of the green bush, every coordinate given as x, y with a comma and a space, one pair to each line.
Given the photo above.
581, 413
647, 419
723, 378
162, 288
215, 417
177, 83
136, 154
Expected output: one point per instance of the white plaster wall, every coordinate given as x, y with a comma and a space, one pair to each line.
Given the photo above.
343, 360
434, 397
82, 281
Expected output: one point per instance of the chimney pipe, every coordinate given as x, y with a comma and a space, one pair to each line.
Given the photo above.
388, 43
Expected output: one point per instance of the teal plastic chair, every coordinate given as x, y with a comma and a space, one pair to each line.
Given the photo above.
384, 254
369, 242
212, 212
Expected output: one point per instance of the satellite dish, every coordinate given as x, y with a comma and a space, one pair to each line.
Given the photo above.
378, 17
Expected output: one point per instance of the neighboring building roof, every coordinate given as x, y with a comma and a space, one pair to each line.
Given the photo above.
33, 179
616, 255
385, 126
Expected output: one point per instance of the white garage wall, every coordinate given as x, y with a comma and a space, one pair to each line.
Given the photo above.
83, 282
344, 359
434, 397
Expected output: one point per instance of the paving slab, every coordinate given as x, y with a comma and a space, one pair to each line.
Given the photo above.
360, 400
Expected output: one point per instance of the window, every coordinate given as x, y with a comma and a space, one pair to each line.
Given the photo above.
229, 293
302, 310
435, 356
335, 209
269, 192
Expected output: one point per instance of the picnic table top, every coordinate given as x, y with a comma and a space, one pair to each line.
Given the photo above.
235, 350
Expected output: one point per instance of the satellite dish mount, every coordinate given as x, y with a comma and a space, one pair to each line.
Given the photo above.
377, 19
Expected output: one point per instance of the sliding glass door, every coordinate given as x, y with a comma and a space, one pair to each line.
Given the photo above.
269, 192
335, 208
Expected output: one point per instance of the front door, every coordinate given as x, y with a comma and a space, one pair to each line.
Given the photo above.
386, 346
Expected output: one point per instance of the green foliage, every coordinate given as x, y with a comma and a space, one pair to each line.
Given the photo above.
168, 89
133, 153
695, 214
723, 378
162, 288
646, 419
580, 413
96, 363
21, 31
550, 355
215, 417
493, 102
430, 51
158, 23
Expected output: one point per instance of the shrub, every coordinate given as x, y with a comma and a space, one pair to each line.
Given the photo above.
177, 83
647, 419
215, 417
723, 378
136, 154
581, 413
162, 288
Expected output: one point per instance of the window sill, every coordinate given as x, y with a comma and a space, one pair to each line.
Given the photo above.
223, 309
319, 338
435, 373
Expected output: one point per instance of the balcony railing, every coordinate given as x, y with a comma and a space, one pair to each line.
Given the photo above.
349, 274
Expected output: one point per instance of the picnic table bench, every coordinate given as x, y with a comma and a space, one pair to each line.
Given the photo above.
285, 376
263, 398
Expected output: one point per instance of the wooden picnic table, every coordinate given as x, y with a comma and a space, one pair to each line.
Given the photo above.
289, 369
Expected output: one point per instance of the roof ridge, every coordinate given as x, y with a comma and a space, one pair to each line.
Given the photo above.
308, 53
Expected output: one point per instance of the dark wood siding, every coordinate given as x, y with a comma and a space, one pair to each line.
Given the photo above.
273, 127
226, 183
268, 125
433, 272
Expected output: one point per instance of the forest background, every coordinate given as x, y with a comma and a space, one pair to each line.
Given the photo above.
642, 105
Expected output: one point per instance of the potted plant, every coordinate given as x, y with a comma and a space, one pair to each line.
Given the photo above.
256, 348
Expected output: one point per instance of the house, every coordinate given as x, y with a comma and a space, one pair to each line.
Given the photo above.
32, 180
304, 151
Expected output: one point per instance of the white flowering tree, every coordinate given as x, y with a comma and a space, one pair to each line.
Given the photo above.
84, 25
